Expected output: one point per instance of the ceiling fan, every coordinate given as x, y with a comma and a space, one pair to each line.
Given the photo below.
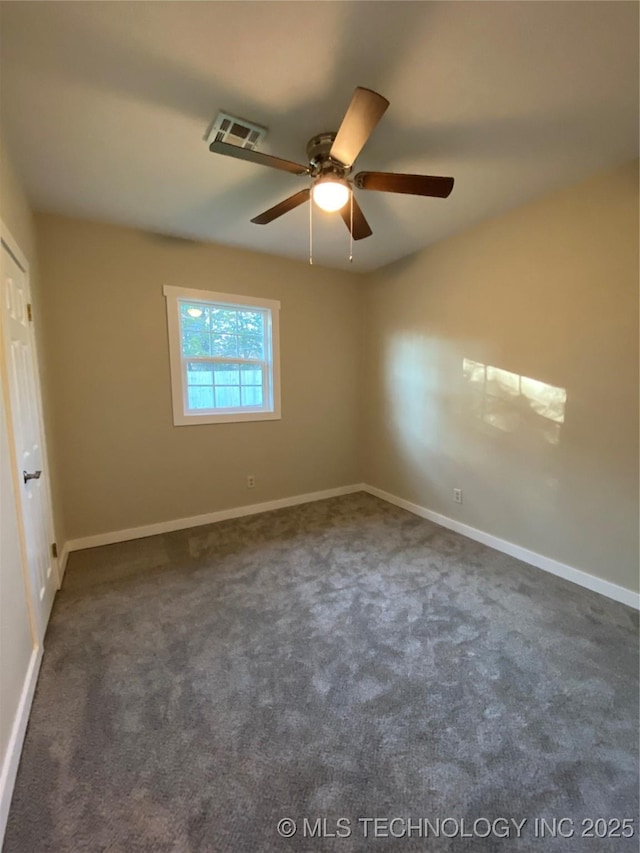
331, 158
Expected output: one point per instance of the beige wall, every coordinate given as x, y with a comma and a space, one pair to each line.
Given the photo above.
14, 205
548, 292
124, 462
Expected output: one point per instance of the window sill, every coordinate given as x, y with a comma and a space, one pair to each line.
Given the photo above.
226, 418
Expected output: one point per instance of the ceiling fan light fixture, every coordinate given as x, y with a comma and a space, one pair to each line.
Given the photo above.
330, 194
331, 158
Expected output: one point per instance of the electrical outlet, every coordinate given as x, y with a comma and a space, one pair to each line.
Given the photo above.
457, 496
251, 482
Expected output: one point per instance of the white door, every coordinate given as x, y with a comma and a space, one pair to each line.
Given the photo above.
24, 396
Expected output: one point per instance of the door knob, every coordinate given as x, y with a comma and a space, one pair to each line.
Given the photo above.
34, 476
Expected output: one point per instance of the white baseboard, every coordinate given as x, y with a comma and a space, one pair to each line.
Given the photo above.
569, 573
207, 518
555, 567
14, 747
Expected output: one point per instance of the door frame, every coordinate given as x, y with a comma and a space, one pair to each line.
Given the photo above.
10, 244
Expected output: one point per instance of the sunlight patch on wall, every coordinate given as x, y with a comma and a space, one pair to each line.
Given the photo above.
510, 402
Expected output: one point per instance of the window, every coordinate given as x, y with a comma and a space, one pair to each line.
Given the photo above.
224, 357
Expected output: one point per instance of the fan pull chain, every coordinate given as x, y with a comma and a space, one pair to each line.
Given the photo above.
311, 230
351, 231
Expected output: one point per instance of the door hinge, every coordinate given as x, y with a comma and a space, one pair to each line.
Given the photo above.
54, 550
29, 312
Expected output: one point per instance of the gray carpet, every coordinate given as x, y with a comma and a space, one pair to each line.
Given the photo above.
342, 659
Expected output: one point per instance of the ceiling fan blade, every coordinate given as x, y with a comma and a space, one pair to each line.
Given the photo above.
392, 182
361, 227
282, 207
257, 157
362, 115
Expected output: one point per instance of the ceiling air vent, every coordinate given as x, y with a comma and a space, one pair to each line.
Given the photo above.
235, 131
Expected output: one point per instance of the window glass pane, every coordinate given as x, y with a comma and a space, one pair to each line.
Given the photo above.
199, 373
251, 375
196, 343
251, 321
227, 396
227, 374
225, 345
194, 316
200, 396
251, 395
250, 345
224, 321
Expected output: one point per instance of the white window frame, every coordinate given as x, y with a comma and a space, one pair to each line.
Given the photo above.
181, 415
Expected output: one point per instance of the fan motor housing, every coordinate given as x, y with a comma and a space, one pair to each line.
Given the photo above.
318, 148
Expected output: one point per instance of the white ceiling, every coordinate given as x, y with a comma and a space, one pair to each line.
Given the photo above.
105, 106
